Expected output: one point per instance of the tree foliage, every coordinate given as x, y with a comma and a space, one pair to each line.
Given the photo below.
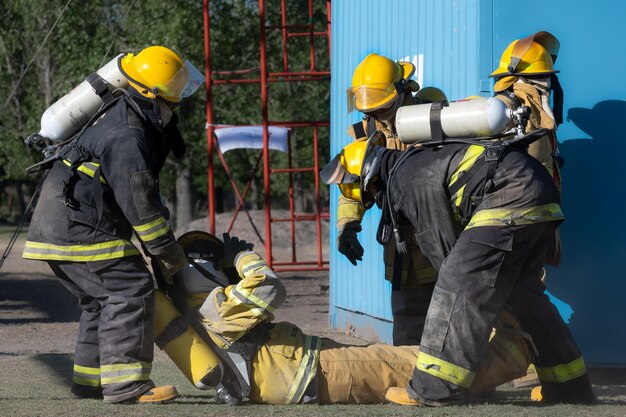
89, 34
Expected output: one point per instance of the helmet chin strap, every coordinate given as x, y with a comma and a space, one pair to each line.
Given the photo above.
166, 110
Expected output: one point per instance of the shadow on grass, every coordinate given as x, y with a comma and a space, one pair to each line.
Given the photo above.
25, 300
58, 366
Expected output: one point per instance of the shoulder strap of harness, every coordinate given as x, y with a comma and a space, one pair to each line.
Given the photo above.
100, 86
359, 132
436, 131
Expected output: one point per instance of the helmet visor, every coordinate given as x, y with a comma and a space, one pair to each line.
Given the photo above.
183, 84
371, 97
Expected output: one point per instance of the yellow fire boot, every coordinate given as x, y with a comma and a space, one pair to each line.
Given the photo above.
399, 396
535, 394
158, 395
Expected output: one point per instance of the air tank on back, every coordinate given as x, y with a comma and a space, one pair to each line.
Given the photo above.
68, 114
472, 118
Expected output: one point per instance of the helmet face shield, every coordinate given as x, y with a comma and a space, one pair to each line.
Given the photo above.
183, 84
367, 98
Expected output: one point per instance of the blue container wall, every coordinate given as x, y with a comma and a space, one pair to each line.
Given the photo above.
442, 39
455, 45
592, 276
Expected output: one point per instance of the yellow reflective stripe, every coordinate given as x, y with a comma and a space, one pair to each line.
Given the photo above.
125, 366
246, 295
444, 370
87, 168
153, 229
254, 266
562, 373
348, 211
85, 375
146, 226
306, 370
85, 381
86, 370
126, 378
516, 216
125, 372
468, 160
79, 253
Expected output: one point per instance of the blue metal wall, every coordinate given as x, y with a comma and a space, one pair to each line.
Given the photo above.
457, 44
592, 275
442, 38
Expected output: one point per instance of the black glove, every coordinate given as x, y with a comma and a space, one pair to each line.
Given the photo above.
232, 247
171, 261
348, 244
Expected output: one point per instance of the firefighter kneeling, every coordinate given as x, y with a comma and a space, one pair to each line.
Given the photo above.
283, 365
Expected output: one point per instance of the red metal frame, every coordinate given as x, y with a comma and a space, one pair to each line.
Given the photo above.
265, 78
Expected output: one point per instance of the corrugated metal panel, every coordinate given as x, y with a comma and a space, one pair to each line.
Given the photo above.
442, 38
591, 278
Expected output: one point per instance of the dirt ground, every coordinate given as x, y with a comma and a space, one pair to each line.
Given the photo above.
39, 320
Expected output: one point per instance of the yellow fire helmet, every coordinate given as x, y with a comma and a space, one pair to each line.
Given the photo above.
430, 95
376, 82
159, 71
532, 55
355, 167
204, 249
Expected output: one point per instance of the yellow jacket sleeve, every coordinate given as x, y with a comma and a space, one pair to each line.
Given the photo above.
231, 312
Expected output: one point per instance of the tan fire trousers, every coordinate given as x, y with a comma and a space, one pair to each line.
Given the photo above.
362, 374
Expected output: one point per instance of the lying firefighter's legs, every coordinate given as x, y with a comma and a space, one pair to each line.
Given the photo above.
560, 365
362, 374
474, 283
124, 289
508, 356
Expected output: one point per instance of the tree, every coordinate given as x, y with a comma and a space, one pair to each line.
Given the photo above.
89, 34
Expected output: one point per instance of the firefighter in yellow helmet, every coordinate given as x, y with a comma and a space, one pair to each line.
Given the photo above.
526, 76
290, 367
485, 221
380, 86
102, 190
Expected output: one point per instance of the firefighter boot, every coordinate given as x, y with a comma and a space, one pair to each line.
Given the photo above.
161, 395
399, 396
86, 392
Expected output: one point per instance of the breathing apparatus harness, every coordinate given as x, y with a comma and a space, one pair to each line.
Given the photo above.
495, 149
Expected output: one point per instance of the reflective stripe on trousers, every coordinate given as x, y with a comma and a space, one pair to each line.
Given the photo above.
85, 375
562, 373
79, 253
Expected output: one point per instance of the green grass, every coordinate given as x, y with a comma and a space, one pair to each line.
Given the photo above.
39, 386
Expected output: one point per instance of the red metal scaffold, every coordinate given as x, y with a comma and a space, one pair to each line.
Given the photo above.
266, 77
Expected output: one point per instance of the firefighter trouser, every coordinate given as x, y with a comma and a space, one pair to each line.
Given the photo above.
409, 306
115, 342
487, 268
416, 276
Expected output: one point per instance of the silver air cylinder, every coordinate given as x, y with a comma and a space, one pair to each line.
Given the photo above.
461, 119
68, 114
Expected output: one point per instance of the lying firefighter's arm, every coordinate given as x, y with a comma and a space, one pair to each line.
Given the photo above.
233, 311
125, 167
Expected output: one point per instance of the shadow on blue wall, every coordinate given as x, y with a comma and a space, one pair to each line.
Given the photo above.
592, 275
